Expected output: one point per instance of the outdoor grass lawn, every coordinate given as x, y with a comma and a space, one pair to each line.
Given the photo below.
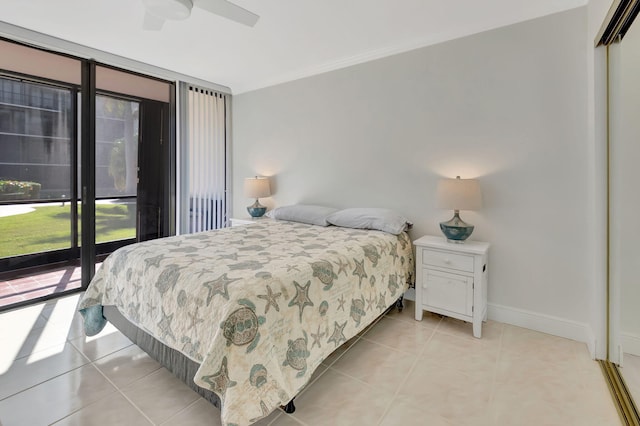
49, 228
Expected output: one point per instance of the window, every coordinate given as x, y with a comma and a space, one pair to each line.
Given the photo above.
35, 141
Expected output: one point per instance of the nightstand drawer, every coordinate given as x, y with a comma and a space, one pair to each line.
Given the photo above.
445, 259
449, 292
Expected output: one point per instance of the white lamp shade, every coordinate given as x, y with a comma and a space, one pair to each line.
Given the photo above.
257, 187
458, 194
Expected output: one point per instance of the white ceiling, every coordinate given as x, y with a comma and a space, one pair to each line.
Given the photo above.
292, 39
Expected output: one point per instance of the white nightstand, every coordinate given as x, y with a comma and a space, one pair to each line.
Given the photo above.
451, 279
236, 221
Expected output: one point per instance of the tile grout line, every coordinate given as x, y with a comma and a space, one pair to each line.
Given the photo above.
399, 350
289, 416
185, 408
402, 383
90, 404
118, 390
50, 378
42, 382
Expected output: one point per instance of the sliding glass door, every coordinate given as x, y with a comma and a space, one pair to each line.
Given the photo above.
87, 163
40, 176
39, 203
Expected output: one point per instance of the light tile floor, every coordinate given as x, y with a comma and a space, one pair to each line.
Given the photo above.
398, 372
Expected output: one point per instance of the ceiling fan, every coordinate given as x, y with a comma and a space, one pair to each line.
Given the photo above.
157, 11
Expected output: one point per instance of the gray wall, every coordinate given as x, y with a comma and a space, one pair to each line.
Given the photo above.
508, 106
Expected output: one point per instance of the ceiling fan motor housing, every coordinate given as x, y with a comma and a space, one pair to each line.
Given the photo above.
169, 9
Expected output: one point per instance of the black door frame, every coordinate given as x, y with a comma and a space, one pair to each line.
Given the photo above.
88, 173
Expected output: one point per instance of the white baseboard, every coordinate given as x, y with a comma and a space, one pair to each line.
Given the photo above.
556, 326
630, 343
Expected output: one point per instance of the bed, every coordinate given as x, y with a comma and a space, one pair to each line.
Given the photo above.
248, 313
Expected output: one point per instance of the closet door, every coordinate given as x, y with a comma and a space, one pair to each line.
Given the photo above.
624, 250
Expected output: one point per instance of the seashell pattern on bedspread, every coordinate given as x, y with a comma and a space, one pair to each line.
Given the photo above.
258, 306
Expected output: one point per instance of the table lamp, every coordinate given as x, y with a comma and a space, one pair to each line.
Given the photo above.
458, 194
257, 187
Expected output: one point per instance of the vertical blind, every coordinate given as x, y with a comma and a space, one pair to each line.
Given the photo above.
203, 159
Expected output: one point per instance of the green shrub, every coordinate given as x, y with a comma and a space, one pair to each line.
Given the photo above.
19, 190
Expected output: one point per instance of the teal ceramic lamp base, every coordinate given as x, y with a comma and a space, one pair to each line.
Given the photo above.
456, 230
256, 209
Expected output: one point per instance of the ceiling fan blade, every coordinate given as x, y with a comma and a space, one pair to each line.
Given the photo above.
228, 10
152, 22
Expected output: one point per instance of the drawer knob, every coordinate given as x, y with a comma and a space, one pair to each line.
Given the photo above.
447, 261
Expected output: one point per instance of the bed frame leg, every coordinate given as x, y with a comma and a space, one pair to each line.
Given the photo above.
399, 304
289, 407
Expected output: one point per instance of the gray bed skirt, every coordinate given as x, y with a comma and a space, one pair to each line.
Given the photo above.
181, 366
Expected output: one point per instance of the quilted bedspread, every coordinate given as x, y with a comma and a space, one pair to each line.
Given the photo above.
258, 306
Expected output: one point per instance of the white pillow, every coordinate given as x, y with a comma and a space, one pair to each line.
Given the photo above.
303, 213
370, 218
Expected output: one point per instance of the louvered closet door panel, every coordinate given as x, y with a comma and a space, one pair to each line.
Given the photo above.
449, 292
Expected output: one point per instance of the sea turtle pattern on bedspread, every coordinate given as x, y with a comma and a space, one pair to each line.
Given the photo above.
259, 306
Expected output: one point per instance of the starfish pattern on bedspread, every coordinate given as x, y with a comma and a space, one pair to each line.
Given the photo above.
218, 286
342, 267
370, 301
271, 299
359, 271
293, 268
341, 302
220, 381
165, 326
316, 337
194, 320
338, 334
302, 297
